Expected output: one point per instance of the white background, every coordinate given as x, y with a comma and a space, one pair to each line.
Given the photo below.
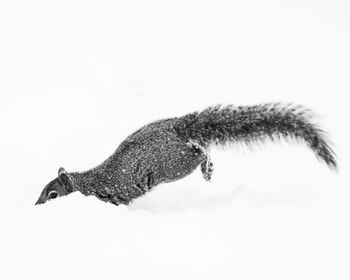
77, 77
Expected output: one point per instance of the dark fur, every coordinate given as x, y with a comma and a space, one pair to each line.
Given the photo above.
170, 149
249, 124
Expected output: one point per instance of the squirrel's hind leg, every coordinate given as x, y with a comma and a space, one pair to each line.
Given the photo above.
206, 165
207, 168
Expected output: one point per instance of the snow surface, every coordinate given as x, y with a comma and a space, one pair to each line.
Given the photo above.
77, 77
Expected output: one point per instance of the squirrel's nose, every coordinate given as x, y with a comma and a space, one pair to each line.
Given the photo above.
39, 202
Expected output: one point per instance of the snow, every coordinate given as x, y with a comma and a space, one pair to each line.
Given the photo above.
78, 77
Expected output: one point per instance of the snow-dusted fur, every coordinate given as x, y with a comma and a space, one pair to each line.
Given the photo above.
249, 124
171, 149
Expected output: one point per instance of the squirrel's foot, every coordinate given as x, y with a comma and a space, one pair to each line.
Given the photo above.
207, 168
206, 165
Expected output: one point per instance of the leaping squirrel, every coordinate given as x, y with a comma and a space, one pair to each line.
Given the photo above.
170, 149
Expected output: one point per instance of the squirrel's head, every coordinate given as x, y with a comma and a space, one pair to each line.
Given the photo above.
60, 186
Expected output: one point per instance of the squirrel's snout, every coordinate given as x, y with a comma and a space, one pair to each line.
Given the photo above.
39, 201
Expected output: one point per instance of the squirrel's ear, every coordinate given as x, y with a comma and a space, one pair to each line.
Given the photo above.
62, 175
61, 171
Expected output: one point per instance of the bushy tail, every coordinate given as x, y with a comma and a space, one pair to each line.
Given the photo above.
227, 124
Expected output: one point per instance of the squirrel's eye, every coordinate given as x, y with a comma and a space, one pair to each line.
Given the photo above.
53, 194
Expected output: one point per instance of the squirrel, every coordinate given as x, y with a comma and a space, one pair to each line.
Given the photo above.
170, 149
